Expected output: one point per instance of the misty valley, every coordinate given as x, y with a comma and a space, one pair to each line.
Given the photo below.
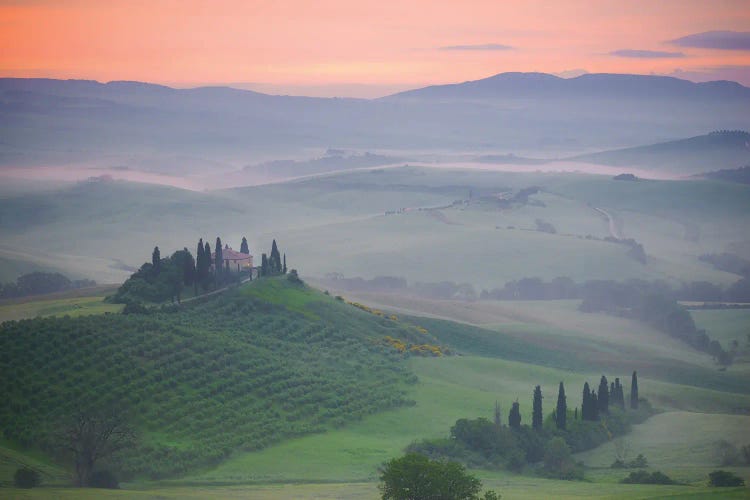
524, 286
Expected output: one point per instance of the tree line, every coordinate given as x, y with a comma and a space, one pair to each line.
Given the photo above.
565, 288
38, 283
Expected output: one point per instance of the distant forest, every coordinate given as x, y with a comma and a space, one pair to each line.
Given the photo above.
38, 283
740, 175
652, 302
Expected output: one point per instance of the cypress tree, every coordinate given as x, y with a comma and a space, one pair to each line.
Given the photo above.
603, 400
275, 259
594, 407
284, 270
243, 246
498, 415
536, 415
586, 403
188, 268
200, 272
218, 261
561, 412
514, 417
634, 392
264, 265
156, 260
619, 396
207, 257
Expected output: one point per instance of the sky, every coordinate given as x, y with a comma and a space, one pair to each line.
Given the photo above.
368, 48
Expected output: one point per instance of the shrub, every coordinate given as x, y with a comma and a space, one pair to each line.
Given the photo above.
558, 461
26, 478
727, 453
724, 478
416, 476
135, 308
643, 477
639, 462
294, 277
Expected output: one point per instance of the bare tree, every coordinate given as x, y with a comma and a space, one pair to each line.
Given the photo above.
622, 450
91, 437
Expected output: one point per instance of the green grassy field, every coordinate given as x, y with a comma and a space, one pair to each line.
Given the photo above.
448, 389
73, 307
513, 488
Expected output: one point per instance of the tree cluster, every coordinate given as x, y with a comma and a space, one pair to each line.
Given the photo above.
164, 279
160, 280
274, 264
484, 443
653, 304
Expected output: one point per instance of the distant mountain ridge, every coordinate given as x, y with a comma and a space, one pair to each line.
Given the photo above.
514, 84
187, 131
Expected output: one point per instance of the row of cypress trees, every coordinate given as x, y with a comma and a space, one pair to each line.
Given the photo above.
609, 395
591, 408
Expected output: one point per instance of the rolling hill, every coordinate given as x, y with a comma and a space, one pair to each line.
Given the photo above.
715, 151
101, 230
234, 372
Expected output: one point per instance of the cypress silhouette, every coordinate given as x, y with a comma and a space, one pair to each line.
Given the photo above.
586, 403
634, 391
274, 261
243, 246
619, 398
594, 407
284, 270
188, 268
219, 261
200, 272
561, 412
498, 415
264, 265
514, 417
156, 260
536, 415
207, 257
603, 401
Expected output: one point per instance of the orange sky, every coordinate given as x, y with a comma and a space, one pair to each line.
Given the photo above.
356, 47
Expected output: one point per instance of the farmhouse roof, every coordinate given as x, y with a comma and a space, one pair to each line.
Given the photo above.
231, 255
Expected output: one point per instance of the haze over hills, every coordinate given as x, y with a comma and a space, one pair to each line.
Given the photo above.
206, 130
721, 149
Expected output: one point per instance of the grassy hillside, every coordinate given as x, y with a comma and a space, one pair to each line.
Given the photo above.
229, 373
